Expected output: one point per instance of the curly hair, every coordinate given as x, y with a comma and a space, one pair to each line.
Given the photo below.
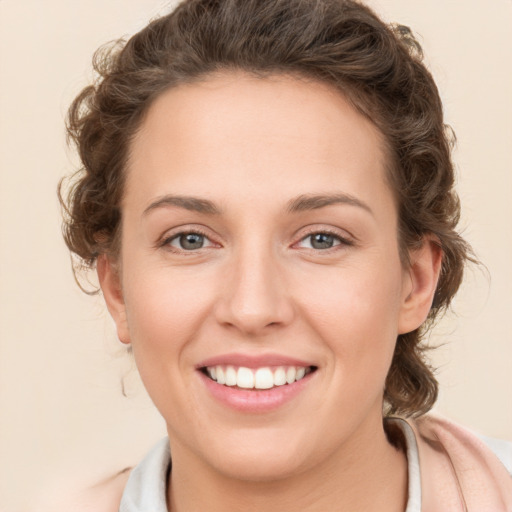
377, 67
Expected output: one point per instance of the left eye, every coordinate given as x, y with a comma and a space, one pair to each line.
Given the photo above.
320, 241
189, 241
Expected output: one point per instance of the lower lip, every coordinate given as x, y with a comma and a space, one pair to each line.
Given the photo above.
255, 400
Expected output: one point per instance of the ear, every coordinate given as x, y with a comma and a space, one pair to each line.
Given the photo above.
110, 282
420, 284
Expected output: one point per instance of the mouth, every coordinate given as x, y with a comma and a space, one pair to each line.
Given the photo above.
263, 378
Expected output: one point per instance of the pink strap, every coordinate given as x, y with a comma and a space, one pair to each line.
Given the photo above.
459, 472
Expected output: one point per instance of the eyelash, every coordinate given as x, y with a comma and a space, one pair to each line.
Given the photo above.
343, 241
166, 242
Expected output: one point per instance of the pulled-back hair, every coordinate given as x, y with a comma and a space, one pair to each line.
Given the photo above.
343, 43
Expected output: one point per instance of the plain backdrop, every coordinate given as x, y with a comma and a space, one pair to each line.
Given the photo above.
63, 417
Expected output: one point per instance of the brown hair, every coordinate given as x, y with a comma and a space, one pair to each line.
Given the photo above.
340, 42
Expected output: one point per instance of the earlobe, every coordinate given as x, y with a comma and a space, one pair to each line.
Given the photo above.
110, 283
420, 284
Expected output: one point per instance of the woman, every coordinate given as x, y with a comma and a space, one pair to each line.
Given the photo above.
267, 196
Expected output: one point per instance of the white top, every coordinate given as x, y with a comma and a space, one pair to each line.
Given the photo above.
145, 490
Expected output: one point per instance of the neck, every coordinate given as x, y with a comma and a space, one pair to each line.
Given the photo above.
366, 474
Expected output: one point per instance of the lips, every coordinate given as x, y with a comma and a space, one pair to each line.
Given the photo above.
255, 384
253, 361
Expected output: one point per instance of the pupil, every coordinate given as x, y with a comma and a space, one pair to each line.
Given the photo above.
191, 241
322, 241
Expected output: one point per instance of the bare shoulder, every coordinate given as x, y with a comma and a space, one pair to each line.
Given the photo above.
103, 496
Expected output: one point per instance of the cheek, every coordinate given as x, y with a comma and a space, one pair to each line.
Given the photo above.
166, 313
165, 309
357, 313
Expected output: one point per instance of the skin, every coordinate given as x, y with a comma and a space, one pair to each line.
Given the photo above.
252, 146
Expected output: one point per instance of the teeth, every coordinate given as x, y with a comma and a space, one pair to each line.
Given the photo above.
245, 378
231, 377
263, 379
291, 373
279, 377
260, 378
221, 376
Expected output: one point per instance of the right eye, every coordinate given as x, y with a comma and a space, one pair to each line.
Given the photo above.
190, 241
322, 241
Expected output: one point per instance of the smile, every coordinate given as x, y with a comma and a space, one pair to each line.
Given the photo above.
256, 378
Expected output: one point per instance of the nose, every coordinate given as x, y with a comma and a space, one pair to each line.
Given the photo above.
254, 298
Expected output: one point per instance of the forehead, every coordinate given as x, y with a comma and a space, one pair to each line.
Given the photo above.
243, 131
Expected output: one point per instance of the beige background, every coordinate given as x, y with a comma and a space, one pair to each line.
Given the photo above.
63, 416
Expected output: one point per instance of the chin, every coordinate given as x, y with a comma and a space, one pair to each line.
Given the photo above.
260, 458
256, 468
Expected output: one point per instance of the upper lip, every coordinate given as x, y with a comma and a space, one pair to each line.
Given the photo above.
252, 361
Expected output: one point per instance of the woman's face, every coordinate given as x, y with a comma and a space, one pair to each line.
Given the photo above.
259, 244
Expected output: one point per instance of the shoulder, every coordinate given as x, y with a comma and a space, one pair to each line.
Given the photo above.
140, 488
462, 440
456, 462
102, 496
502, 449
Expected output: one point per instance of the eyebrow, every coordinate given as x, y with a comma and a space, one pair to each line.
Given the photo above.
301, 203
313, 202
190, 203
